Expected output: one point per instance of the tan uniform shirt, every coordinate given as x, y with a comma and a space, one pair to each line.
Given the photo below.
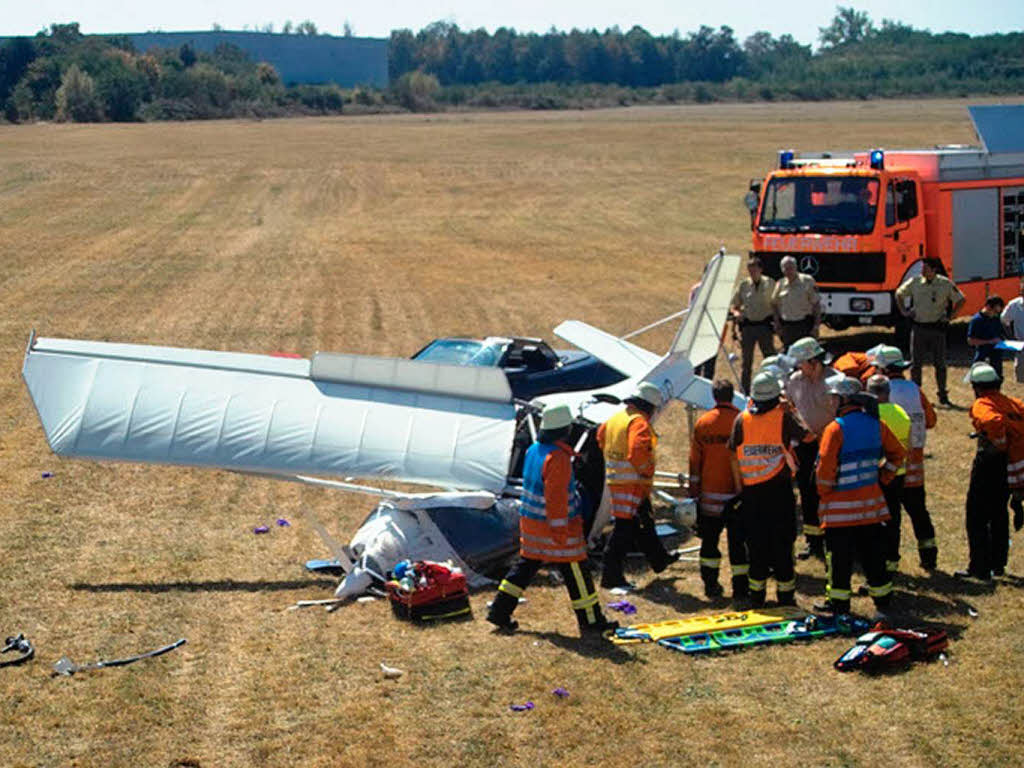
930, 302
795, 300
812, 400
755, 302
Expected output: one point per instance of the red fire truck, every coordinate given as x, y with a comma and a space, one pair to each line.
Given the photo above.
860, 223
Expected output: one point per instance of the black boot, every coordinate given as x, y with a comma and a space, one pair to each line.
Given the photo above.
786, 598
710, 578
929, 558
500, 613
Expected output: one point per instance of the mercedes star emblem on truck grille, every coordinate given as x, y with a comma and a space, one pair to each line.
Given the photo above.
809, 265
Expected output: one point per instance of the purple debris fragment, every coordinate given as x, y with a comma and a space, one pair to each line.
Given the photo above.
47, 474
623, 606
561, 693
282, 522
261, 529
522, 707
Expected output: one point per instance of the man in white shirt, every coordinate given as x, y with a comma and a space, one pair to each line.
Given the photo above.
1013, 321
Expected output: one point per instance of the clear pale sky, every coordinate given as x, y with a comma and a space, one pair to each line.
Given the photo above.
801, 18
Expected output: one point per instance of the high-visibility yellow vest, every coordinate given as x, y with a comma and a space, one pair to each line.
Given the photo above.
618, 469
898, 422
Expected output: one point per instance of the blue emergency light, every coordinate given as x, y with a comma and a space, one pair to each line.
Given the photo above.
877, 159
786, 159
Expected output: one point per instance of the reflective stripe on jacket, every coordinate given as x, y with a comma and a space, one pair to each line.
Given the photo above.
550, 524
852, 447
897, 420
711, 478
762, 454
911, 399
1000, 419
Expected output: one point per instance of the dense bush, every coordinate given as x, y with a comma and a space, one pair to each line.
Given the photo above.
76, 98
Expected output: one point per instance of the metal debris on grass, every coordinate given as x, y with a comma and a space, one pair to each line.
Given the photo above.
283, 523
561, 692
522, 707
17, 644
261, 529
67, 667
47, 475
390, 673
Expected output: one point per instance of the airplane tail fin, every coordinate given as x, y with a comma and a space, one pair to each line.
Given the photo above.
696, 341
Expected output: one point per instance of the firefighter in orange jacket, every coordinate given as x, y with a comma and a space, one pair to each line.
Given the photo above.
713, 485
859, 365
550, 529
853, 508
912, 399
629, 442
762, 465
997, 471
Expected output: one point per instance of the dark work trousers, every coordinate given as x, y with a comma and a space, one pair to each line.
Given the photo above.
709, 528
924, 531
637, 531
769, 521
928, 345
867, 544
893, 493
807, 457
988, 522
578, 582
793, 330
754, 335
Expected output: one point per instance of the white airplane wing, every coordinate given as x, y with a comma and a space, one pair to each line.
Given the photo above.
620, 354
335, 415
700, 334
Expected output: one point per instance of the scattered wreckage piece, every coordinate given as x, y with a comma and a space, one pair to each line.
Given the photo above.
17, 644
67, 667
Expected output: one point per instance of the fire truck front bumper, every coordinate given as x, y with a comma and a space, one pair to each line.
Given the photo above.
862, 308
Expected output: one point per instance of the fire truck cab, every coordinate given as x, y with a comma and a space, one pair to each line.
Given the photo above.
860, 223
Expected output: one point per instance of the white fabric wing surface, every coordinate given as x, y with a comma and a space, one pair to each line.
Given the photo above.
700, 335
626, 358
259, 413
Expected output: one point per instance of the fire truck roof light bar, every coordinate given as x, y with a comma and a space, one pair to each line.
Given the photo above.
877, 159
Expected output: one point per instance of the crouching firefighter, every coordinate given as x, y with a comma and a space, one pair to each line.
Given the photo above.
853, 508
763, 467
551, 529
713, 485
629, 442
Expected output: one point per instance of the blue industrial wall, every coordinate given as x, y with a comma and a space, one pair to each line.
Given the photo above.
347, 61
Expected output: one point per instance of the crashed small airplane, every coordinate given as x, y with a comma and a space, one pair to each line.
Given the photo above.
454, 428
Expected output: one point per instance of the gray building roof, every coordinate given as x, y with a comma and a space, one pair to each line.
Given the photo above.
347, 61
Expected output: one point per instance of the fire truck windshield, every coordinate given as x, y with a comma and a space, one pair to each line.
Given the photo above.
833, 205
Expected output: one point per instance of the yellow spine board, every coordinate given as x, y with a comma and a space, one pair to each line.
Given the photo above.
649, 633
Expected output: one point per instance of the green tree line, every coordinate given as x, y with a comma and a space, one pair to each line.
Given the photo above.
65, 75
855, 59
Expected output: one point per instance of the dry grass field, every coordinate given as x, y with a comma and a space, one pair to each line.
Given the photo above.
374, 235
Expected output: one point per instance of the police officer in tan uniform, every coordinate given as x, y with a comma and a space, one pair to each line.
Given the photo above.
752, 311
930, 300
796, 304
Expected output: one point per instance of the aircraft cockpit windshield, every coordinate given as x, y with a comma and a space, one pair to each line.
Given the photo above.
462, 352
